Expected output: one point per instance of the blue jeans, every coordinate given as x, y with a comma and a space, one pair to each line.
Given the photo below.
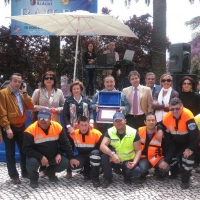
32, 165
145, 165
90, 78
18, 136
107, 168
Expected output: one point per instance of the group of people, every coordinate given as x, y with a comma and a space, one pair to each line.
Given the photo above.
89, 58
154, 127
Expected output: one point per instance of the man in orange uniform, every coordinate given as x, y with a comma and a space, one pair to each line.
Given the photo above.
42, 140
151, 149
181, 138
87, 142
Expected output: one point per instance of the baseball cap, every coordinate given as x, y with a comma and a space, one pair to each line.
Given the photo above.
118, 115
44, 113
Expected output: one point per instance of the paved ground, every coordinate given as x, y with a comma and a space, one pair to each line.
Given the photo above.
76, 188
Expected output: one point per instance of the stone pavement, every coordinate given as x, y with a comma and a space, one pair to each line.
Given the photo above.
76, 188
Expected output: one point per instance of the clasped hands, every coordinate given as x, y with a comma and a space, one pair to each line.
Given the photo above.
45, 162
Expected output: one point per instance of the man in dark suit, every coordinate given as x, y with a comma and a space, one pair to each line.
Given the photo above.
150, 79
140, 99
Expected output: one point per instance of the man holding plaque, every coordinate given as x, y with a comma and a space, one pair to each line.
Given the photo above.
124, 106
121, 151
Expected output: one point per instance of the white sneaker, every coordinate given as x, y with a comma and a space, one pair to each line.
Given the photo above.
41, 174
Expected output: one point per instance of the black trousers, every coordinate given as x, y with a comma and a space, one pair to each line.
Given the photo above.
90, 163
10, 151
135, 121
186, 165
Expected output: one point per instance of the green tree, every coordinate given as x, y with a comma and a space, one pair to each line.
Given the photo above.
159, 41
194, 24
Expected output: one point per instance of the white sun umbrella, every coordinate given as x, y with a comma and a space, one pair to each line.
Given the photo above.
77, 23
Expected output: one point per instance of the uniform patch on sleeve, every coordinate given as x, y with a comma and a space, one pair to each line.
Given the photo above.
191, 126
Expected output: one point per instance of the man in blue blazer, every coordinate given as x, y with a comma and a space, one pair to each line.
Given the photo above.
150, 79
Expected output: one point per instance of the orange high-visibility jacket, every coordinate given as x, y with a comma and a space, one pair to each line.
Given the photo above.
85, 143
154, 149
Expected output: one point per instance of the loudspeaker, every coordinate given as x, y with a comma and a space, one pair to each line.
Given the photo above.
177, 79
180, 60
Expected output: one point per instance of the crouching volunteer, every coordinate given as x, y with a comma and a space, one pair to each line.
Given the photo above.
87, 141
121, 150
152, 154
42, 140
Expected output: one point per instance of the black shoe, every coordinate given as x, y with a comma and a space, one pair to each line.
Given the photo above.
173, 176
117, 171
52, 177
96, 182
184, 186
26, 176
106, 183
86, 177
160, 177
34, 184
127, 180
143, 178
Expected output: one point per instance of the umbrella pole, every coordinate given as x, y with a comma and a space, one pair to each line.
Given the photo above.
76, 53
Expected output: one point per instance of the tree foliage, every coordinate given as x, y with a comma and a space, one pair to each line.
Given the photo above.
194, 24
23, 54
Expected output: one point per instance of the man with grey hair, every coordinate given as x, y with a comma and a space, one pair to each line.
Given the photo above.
140, 99
150, 79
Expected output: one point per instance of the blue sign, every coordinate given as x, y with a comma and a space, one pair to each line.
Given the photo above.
31, 7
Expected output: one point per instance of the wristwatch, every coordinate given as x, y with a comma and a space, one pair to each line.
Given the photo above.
112, 153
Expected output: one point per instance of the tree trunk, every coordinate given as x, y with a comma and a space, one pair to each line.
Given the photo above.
159, 38
54, 53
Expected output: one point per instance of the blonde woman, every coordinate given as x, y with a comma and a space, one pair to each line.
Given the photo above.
161, 98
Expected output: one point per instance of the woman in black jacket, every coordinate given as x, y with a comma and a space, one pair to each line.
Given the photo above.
90, 74
190, 99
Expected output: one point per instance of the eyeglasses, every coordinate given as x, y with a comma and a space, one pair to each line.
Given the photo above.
173, 109
166, 80
47, 78
185, 83
45, 119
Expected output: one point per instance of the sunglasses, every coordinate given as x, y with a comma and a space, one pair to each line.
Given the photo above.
187, 83
166, 80
173, 109
47, 78
45, 119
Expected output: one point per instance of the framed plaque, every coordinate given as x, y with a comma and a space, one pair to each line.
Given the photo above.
108, 104
105, 115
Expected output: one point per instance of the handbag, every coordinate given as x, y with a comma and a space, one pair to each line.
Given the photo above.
34, 114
